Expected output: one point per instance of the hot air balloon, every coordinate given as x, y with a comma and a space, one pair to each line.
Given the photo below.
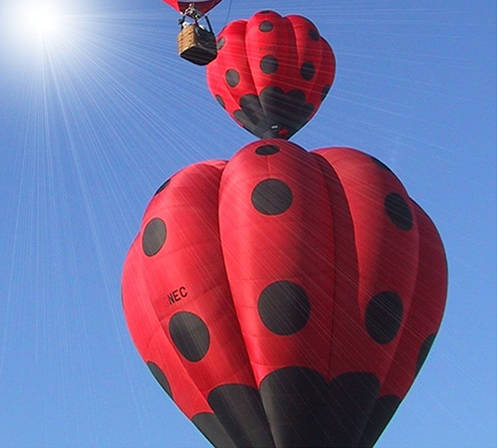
285, 298
193, 8
196, 43
271, 73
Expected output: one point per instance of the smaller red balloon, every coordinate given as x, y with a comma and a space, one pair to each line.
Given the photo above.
271, 73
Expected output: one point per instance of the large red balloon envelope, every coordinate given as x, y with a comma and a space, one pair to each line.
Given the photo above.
203, 6
285, 298
271, 73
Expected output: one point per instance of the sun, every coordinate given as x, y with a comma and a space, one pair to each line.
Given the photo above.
38, 22
43, 20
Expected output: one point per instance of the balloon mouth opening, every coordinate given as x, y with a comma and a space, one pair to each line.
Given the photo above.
275, 131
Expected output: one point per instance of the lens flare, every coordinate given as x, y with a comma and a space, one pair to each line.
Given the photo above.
43, 20
37, 22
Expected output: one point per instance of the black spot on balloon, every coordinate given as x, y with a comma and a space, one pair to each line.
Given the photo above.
325, 91
307, 70
284, 308
423, 351
221, 42
266, 11
384, 316
382, 412
267, 150
190, 335
269, 64
160, 377
154, 237
232, 77
398, 211
164, 185
208, 424
313, 34
220, 101
272, 197
239, 410
303, 410
266, 26
380, 164
265, 115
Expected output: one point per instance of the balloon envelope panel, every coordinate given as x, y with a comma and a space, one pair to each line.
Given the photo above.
286, 297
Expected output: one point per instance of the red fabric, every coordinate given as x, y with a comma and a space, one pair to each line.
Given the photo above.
271, 51
203, 6
347, 233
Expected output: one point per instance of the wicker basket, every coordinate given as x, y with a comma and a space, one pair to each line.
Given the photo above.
197, 45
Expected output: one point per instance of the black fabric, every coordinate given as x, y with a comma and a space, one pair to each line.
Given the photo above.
289, 110
267, 150
380, 164
325, 91
307, 71
296, 402
208, 424
398, 211
220, 43
220, 100
313, 34
284, 307
384, 316
383, 411
269, 64
305, 411
190, 335
423, 352
266, 26
274, 111
239, 409
154, 237
232, 77
160, 377
162, 187
272, 197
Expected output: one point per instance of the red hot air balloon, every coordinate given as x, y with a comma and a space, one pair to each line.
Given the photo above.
271, 73
202, 6
285, 298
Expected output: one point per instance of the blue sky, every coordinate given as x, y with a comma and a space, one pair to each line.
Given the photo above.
91, 127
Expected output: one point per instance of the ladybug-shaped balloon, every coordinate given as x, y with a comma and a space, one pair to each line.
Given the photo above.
271, 73
285, 298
